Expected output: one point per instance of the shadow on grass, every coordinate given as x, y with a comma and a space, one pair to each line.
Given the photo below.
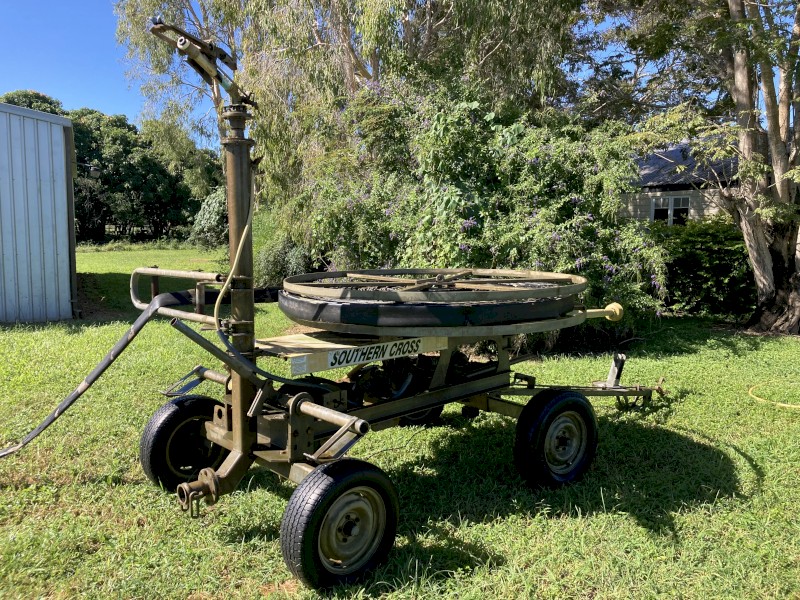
688, 335
467, 476
643, 470
666, 336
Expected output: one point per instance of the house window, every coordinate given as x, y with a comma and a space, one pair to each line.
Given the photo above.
671, 210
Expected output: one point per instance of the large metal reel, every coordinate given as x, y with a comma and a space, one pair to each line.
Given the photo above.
435, 285
428, 299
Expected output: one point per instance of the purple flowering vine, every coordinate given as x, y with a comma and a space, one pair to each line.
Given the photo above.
468, 224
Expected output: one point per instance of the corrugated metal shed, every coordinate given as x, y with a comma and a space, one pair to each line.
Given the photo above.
37, 234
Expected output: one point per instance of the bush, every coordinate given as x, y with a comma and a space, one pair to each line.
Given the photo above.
466, 186
708, 271
210, 226
279, 258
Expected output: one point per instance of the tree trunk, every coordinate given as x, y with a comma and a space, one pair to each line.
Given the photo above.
780, 311
771, 243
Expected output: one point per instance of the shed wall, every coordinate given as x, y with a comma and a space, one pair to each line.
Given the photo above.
37, 272
702, 203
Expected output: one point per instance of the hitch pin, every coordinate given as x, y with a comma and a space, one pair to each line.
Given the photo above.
192, 504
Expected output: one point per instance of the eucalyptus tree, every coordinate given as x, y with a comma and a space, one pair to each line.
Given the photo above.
304, 60
735, 93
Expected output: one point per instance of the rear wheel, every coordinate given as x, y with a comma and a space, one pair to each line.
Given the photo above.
339, 524
173, 449
556, 438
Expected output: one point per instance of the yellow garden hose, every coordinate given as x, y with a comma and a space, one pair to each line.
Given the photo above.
773, 402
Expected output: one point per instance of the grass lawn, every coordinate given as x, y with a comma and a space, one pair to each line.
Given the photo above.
696, 496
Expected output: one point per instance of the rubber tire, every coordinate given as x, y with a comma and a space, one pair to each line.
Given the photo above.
302, 522
433, 314
155, 444
533, 425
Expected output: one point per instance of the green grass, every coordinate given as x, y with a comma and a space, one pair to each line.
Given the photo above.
694, 496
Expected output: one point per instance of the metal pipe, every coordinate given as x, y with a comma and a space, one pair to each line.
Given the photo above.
333, 417
239, 200
175, 273
186, 315
214, 376
612, 312
238, 367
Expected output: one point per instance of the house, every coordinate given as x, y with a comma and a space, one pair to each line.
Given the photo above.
38, 281
674, 188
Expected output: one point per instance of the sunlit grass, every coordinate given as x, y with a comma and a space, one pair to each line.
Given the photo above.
694, 496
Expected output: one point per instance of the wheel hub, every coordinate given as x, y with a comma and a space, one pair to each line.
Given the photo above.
566, 442
352, 530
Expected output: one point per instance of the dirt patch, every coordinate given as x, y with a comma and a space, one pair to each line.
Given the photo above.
287, 588
297, 329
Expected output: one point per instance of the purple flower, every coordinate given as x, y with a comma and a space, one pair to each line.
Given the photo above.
654, 282
556, 236
464, 247
468, 224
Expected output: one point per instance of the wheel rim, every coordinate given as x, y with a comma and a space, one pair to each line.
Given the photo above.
187, 450
352, 530
566, 442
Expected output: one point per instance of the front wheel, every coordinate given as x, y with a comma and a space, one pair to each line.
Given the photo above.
173, 448
556, 439
339, 524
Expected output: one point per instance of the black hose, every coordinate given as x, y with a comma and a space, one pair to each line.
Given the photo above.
266, 374
166, 299
185, 298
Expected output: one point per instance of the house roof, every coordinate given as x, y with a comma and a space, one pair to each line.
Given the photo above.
675, 166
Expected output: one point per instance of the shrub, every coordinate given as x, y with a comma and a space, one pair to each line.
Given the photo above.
708, 270
210, 226
279, 258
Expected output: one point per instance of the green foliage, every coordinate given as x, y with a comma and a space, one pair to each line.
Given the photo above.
200, 169
436, 178
708, 270
210, 227
279, 258
33, 100
137, 193
148, 181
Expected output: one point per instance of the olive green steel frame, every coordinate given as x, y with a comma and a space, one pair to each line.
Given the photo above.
293, 433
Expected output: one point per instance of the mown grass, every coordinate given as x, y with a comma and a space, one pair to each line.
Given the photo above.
693, 496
